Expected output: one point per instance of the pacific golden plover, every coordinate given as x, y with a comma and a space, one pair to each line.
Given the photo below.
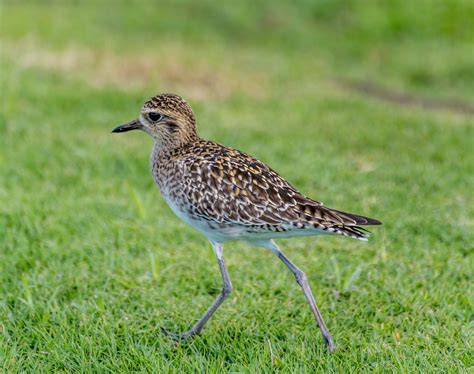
229, 195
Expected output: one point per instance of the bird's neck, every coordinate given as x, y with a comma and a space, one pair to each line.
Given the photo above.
165, 150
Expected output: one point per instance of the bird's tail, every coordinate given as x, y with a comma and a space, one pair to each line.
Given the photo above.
351, 226
359, 220
355, 232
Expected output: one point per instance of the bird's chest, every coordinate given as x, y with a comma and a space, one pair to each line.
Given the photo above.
169, 179
179, 197
185, 197
169, 176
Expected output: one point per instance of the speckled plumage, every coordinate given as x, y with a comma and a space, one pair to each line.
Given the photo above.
229, 195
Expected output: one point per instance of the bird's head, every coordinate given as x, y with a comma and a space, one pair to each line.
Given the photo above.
168, 118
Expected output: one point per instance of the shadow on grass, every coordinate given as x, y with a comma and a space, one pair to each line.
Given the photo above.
405, 99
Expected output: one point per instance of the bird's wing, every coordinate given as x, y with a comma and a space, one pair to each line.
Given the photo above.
239, 189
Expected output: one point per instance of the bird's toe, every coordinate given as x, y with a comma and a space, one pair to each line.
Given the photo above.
176, 336
329, 342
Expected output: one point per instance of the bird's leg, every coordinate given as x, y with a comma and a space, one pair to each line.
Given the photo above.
303, 282
226, 290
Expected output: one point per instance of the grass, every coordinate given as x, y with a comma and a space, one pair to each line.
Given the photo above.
93, 263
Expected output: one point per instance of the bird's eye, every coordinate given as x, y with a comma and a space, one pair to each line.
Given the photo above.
154, 116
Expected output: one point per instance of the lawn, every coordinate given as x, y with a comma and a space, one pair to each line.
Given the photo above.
367, 106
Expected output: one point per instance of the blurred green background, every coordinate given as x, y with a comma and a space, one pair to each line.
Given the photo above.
365, 105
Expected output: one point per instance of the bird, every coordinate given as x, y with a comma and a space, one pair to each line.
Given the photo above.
229, 195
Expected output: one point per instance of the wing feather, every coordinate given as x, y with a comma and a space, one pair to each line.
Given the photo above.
248, 192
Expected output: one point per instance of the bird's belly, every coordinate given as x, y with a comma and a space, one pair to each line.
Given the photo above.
212, 229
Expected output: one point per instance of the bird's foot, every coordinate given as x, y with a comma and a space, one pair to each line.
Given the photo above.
329, 342
179, 337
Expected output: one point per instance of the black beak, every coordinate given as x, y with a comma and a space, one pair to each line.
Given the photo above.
132, 125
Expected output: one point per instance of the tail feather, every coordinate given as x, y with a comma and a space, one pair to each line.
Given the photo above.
355, 232
359, 220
